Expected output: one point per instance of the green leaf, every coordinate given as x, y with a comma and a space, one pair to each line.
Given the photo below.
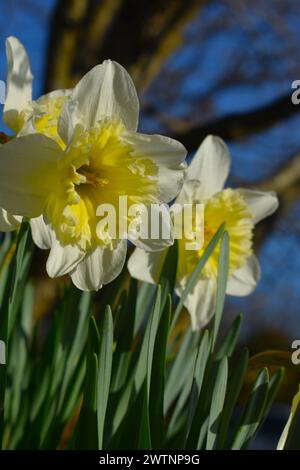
221, 284
124, 335
167, 277
217, 403
144, 364
104, 373
145, 297
5, 246
229, 342
200, 365
274, 385
19, 344
181, 368
142, 369
183, 399
144, 438
73, 390
20, 264
233, 391
76, 347
199, 426
253, 412
156, 402
135, 430
12, 296
195, 274
87, 435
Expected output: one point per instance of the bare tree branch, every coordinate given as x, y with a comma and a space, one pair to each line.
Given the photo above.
237, 126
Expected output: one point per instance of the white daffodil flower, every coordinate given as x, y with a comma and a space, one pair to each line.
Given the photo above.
239, 209
98, 157
21, 114
285, 432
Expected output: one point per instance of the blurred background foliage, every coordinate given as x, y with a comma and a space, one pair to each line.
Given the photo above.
201, 66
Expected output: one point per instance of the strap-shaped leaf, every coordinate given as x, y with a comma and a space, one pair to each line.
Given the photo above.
156, 402
253, 412
234, 388
223, 267
104, 372
182, 367
217, 403
229, 342
87, 436
12, 297
200, 365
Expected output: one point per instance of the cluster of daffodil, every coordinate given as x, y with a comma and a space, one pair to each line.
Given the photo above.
76, 149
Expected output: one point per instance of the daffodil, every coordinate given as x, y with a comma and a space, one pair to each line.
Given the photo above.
97, 157
239, 209
23, 115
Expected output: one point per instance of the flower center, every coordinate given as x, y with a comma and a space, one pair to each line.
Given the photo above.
227, 207
94, 179
99, 167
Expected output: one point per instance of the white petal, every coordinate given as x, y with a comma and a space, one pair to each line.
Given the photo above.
191, 192
113, 261
163, 150
99, 267
146, 266
170, 182
107, 91
62, 258
19, 82
9, 222
53, 94
28, 173
158, 229
41, 233
200, 302
168, 154
243, 281
210, 165
70, 121
261, 203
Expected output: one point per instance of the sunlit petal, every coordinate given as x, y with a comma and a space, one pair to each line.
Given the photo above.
261, 203
99, 267
28, 173
146, 266
243, 281
107, 91
41, 233
19, 83
200, 301
210, 165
